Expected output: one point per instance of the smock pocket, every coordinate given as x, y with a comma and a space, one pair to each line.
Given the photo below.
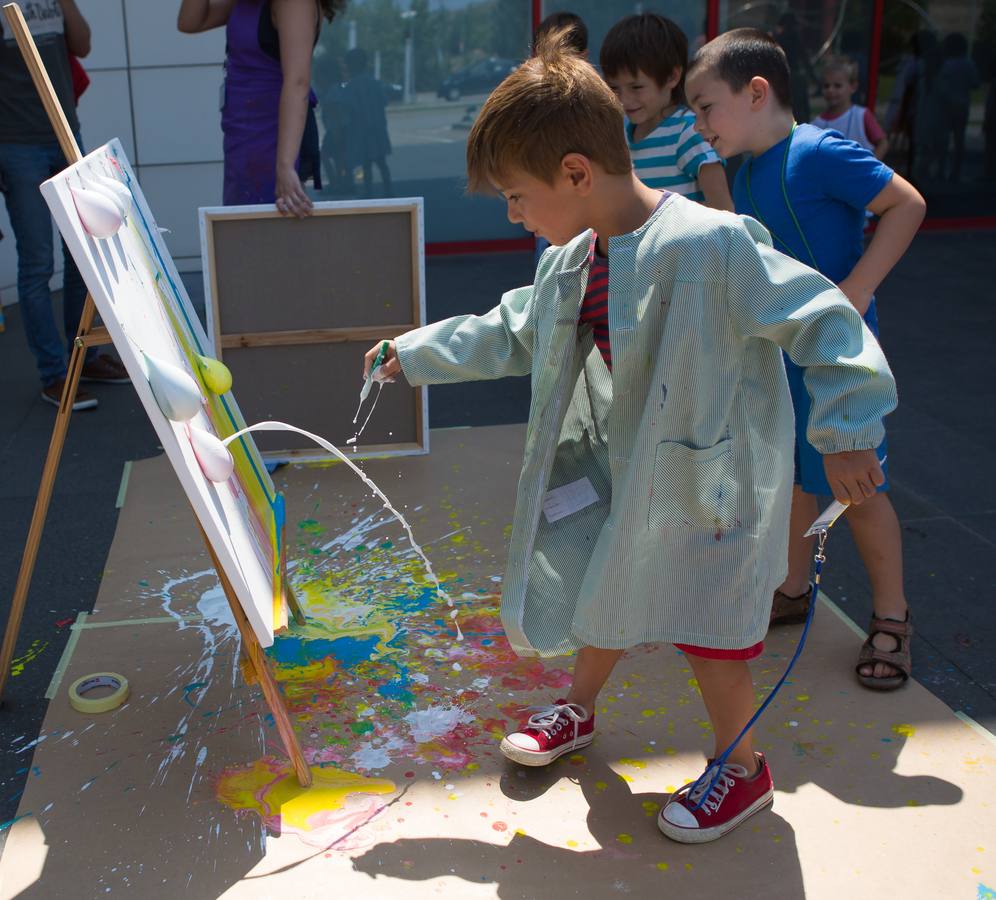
693, 487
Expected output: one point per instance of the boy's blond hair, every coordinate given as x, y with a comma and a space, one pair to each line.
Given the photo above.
844, 64
551, 105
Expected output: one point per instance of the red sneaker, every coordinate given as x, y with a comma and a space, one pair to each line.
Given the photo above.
549, 733
734, 798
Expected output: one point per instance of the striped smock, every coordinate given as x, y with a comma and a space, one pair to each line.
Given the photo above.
687, 445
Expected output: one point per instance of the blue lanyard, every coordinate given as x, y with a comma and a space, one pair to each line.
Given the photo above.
788, 206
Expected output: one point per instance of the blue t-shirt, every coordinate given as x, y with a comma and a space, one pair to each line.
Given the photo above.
830, 181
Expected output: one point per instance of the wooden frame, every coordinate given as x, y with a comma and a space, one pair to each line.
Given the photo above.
254, 664
221, 341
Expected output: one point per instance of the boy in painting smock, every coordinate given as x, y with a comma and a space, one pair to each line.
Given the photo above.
657, 474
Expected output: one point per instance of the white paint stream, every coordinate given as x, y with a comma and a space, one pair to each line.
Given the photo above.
335, 451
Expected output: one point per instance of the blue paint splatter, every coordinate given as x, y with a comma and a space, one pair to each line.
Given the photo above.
296, 651
190, 688
396, 691
5, 825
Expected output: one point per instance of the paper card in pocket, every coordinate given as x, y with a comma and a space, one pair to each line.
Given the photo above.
568, 499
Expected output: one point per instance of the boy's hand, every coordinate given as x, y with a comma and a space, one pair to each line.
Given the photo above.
853, 475
390, 365
859, 295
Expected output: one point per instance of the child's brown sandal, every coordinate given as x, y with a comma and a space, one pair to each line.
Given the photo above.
900, 658
786, 610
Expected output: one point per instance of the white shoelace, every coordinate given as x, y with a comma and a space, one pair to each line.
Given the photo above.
727, 778
556, 716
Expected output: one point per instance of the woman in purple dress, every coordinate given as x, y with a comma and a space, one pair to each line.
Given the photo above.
268, 112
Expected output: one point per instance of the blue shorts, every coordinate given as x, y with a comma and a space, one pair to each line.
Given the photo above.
809, 472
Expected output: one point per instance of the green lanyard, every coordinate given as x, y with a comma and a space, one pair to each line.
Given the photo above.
788, 205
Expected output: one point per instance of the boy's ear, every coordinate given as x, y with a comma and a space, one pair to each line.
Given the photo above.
576, 168
673, 79
759, 91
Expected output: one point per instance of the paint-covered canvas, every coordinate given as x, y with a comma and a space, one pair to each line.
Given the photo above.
103, 216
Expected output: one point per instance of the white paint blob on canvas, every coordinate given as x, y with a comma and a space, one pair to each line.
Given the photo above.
175, 391
212, 455
99, 213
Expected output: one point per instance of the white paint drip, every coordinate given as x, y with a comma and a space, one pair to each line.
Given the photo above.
281, 426
428, 724
201, 756
369, 757
217, 628
356, 437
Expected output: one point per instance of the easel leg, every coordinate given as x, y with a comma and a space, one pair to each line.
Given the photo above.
292, 602
44, 497
290, 598
257, 659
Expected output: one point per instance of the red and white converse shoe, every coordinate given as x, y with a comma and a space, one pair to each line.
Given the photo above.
549, 733
735, 797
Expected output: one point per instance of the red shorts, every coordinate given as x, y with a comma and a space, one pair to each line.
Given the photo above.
713, 653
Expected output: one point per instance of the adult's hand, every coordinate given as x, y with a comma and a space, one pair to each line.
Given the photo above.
291, 198
296, 22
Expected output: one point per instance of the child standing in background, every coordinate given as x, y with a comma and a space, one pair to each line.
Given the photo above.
643, 60
810, 189
856, 123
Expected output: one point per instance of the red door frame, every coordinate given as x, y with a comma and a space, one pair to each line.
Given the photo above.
875, 52
506, 245
712, 19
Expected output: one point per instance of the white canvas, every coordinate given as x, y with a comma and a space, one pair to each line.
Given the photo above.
146, 310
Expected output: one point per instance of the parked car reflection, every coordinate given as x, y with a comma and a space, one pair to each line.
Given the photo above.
478, 78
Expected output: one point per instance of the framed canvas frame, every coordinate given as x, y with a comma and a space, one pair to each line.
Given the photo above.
246, 321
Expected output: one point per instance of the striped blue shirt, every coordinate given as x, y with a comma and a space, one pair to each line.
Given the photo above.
670, 156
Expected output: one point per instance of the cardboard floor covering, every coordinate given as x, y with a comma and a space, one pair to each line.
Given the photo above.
184, 789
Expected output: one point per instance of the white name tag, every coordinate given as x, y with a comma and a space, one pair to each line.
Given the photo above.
568, 499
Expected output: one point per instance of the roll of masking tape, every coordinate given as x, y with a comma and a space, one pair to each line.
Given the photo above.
119, 692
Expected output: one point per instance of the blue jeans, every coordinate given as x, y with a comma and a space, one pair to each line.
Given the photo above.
23, 167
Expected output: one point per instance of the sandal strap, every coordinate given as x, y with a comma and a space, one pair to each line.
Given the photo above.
900, 658
899, 661
891, 626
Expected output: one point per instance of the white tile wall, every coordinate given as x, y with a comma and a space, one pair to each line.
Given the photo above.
177, 116
153, 38
108, 50
105, 111
174, 194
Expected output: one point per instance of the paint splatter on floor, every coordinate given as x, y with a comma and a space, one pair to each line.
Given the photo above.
33, 652
375, 676
328, 814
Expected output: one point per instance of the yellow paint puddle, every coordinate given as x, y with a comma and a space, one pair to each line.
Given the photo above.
336, 805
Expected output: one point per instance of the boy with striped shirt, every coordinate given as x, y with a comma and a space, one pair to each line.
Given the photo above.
643, 60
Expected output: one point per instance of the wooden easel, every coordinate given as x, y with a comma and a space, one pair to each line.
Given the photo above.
254, 665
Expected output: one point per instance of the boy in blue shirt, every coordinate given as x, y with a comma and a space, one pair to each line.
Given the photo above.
810, 188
